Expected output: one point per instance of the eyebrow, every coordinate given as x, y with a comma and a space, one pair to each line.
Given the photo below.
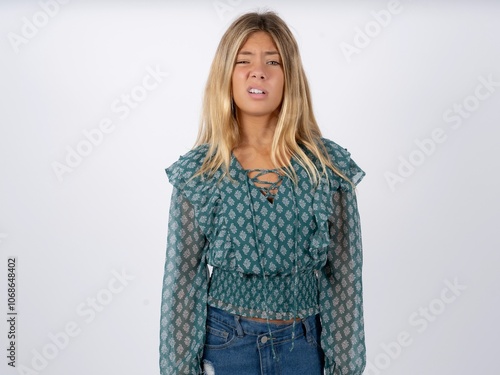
267, 53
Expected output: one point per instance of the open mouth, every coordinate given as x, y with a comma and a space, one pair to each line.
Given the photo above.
256, 91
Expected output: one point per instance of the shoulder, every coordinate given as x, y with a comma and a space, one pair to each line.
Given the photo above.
341, 158
336, 152
187, 165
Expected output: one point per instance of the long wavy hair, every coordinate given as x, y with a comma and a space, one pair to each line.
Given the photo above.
296, 122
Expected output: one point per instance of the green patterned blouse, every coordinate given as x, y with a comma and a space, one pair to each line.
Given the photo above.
293, 251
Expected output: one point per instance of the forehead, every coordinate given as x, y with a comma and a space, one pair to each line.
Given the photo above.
259, 40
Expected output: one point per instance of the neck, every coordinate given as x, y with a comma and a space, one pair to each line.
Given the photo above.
257, 130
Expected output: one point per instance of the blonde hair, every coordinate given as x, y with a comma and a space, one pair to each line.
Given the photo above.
296, 122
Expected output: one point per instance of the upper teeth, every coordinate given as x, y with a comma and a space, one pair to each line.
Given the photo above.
256, 91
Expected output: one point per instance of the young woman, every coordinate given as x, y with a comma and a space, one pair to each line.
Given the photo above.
270, 204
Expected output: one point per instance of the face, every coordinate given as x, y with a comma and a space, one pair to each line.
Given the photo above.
258, 78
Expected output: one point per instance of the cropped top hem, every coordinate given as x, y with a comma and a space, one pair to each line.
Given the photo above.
227, 286
250, 313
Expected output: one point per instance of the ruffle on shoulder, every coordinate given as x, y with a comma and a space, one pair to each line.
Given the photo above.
323, 203
341, 158
204, 195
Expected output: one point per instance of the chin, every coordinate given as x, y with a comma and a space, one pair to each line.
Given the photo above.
259, 112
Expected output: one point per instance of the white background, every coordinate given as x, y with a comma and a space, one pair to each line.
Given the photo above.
71, 235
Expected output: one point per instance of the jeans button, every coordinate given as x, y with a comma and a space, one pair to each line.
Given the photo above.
264, 339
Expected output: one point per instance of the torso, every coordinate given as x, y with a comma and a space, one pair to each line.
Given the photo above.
251, 159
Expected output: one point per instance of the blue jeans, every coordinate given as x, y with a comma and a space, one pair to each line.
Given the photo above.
235, 345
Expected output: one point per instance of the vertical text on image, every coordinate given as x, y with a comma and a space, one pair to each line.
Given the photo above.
11, 310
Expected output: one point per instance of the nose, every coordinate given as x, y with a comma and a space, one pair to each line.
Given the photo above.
258, 75
258, 71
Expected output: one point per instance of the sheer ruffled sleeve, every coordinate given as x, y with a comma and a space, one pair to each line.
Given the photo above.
184, 294
340, 280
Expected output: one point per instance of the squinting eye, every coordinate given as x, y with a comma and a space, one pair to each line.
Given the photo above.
273, 63
242, 62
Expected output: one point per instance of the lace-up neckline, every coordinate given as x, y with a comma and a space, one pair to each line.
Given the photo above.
268, 188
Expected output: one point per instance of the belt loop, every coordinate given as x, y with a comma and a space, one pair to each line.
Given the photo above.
239, 328
307, 329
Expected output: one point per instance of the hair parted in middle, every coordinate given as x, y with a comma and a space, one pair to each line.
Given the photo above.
296, 122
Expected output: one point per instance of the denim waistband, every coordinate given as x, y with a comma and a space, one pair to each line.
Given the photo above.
243, 326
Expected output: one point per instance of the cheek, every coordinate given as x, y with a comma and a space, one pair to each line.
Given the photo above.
237, 84
233, 82
237, 78
280, 86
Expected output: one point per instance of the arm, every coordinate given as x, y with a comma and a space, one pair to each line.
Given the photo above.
184, 292
340, 284
341, 292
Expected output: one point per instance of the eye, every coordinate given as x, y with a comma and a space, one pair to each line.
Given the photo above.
241, 62
273, 62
